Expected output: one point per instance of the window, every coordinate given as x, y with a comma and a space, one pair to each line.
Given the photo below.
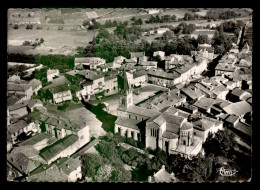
135, 117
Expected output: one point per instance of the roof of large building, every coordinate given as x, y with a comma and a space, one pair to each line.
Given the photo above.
130, 123
142, 111
18, 105
35, 139
231, 118
18, 87
238, 108
204, 103
51, 151
169, 135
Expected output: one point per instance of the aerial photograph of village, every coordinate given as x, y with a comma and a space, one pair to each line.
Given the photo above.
141, 95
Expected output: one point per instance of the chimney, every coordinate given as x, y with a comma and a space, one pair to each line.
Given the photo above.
163, 167
149, 179
68, 166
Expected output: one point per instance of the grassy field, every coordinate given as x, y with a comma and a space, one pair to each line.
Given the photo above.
55, 41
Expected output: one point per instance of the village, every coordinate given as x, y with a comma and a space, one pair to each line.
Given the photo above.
148, 105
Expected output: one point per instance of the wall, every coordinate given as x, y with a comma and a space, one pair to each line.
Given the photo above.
123, 130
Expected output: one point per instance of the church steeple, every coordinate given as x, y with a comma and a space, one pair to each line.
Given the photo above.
124, 91
123, 85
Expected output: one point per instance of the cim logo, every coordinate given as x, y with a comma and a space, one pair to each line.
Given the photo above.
226, 170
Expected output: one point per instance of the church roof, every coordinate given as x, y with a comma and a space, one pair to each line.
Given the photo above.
130, 123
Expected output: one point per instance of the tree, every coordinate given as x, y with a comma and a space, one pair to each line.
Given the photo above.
41, 40
16, 26
188, 16
63, 107
203, 39
104, 173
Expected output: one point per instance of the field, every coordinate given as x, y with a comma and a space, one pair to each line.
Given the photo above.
55, 41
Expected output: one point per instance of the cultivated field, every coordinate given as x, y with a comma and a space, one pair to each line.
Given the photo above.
55, 41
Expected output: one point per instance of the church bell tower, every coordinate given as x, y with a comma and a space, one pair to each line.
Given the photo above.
124, 91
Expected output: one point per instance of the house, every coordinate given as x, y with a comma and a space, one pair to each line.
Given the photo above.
159, 53
90, 63
61, 93
36, 85
160, 77
62, 80
197, 32
113, 65
162, 30
21, 89
131, 62
148, 64
64, 170
15, 129
225, 69
15, 98
171, 98
192, 93
119, 59
51, 73
220, 91
111, 86
238, 108
204, 127
136, 55
237, 95
153, 11
163, 176
204, 104
23, 163
19, 109
139, 78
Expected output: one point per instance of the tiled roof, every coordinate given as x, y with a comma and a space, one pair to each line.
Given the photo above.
14, 99
57, 82
237, 92
15, 127
139, 74
203, 124
161, 73
18, 87
169, 135
163, 176
232, 118
35, 139
137, 54
218, 89
51, 151
194, 94
225, 67
35, 83
142, 111
187, 125
69, 165
61, 88
244, 128
238, 108
204, 103
130, 123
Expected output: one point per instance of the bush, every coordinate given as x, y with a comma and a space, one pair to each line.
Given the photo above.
38, 27
60, 28
16, 26
29, 27
26, 43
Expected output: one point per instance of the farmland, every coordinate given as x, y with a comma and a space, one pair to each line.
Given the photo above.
55, 41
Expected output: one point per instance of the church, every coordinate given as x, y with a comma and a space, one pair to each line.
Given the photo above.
165, 130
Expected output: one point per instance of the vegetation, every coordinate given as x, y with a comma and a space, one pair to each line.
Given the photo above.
29, 27
63, 107
184, 28
162, 19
